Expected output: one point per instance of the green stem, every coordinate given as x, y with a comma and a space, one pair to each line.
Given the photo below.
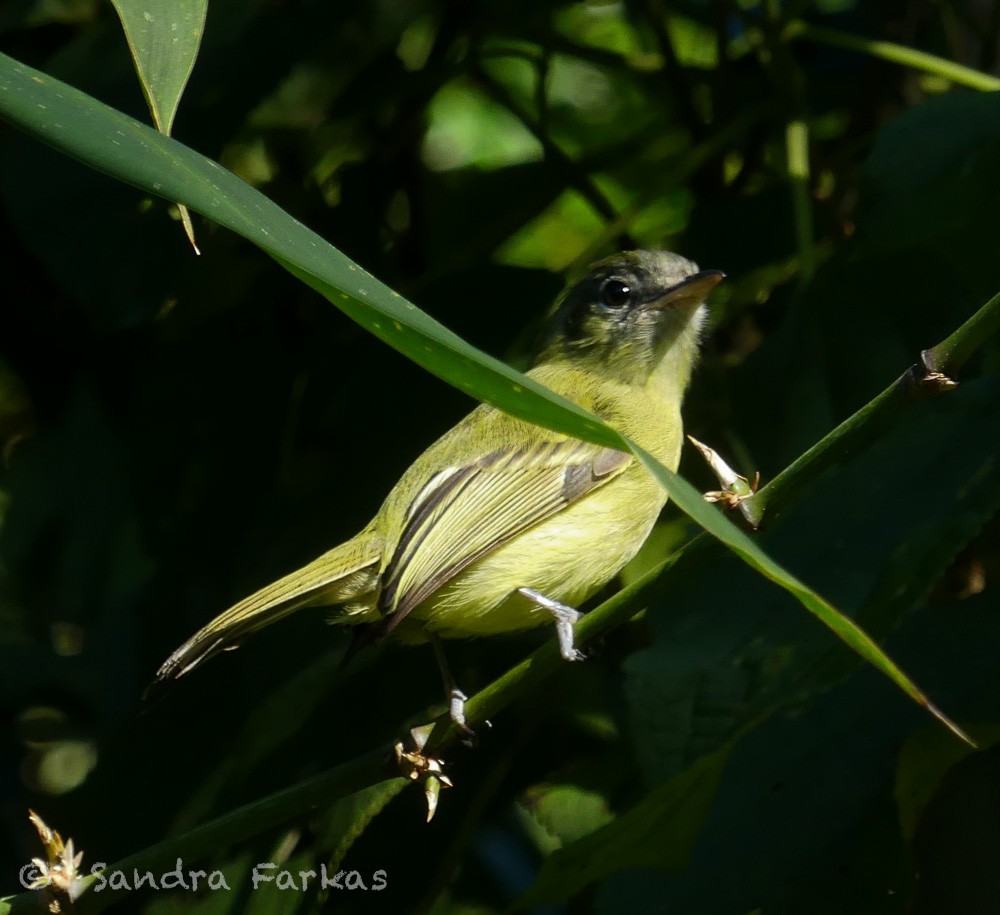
852, 434
797, 159
895, 53
952, 353
788, 81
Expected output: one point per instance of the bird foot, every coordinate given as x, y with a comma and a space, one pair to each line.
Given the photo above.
566, 618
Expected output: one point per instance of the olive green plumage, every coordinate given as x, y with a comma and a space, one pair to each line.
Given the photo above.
497, 504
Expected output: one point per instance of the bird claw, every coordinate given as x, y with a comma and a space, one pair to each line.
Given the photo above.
456, 711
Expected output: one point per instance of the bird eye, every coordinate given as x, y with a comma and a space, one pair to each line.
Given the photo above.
615, 293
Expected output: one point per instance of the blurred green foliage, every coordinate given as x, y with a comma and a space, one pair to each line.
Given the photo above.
178, 430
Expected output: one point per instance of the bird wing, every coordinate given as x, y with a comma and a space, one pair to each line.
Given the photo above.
466, 512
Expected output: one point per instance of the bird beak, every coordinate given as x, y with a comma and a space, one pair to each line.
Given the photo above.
690, 292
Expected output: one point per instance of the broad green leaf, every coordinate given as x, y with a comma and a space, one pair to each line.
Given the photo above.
658, 832
164, 39
576, 800
468, 128
563, 812
125, 149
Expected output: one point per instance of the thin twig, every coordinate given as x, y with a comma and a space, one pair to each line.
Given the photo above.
788, 82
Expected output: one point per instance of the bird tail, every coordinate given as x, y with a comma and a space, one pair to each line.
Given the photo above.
347, 574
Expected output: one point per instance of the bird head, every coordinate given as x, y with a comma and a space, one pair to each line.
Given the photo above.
631, 316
